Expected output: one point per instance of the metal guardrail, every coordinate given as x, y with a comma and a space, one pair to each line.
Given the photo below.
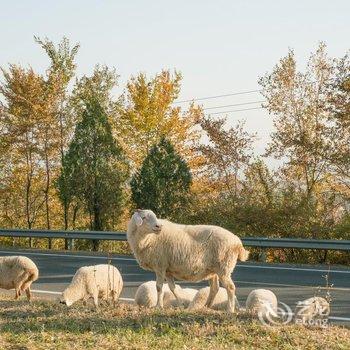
297, 243
261, 242
96, 235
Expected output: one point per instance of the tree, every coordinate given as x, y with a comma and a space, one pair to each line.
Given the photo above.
299, 104
163, 182
339, 118
24, 92
259, 185
146, 114
94, 170
227, 152
36, 129
97, 87
57, 132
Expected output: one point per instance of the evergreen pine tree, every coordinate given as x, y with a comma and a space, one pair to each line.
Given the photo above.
163, 182
94, 170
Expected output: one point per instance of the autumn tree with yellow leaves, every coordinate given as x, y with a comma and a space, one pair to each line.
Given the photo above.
147, 113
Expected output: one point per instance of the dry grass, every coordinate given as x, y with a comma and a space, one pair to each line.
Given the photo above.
48, 325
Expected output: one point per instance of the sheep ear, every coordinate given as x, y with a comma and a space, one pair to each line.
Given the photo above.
137, 218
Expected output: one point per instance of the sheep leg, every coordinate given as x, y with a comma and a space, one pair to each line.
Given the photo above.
230, 289
214, 288
172, 286
95, 297
29, 294
18, 293
160, 294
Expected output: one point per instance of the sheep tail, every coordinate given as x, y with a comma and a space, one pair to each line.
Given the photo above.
243, 254
34, 275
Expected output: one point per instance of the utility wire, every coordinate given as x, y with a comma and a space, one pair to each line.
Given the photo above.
236, 104
217, 96
236, 110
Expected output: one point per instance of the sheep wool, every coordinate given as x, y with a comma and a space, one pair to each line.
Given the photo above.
146, 295
311, 310
18, 272
185, 252
98, 282
262, 302
219, 303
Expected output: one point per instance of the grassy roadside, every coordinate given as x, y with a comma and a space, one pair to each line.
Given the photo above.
48, 325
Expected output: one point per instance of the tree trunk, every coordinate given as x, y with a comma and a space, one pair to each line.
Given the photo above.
65, 201
28, 185
97, 224
47, 187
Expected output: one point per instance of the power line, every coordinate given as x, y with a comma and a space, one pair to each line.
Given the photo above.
236, 104
236, 110
217, 96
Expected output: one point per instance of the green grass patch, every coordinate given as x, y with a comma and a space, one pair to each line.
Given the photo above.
49, 325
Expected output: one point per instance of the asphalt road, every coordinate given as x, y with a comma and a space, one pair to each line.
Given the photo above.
290, 283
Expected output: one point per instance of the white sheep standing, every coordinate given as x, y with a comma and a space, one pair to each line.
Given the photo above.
219, 302
18, 272
262, 302
98, 281
310, 310
146, 295
186, 252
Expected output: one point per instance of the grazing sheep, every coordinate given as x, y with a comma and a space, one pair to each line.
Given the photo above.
146, 295
18, 272
99, 281
219, 302
186, 252
262, 302
310, 310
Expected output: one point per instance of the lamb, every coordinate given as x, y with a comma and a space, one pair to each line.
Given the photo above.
219, 303
18, 272
262, 302
99, 281
311, 310
186, 252
146, 295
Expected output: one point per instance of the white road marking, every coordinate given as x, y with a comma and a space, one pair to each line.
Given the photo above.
41, 277
290, 268
290, 285
127, 299
336, 318
66, 255
45, 292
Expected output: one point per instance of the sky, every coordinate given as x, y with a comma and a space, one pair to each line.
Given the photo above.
220, 47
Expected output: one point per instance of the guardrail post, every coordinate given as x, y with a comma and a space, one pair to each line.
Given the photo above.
70, 244
262, 255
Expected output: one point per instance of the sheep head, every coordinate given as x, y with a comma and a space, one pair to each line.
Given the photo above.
64, 300
72, 293
146, 221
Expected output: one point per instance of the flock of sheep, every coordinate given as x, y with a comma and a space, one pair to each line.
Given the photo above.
185, 252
